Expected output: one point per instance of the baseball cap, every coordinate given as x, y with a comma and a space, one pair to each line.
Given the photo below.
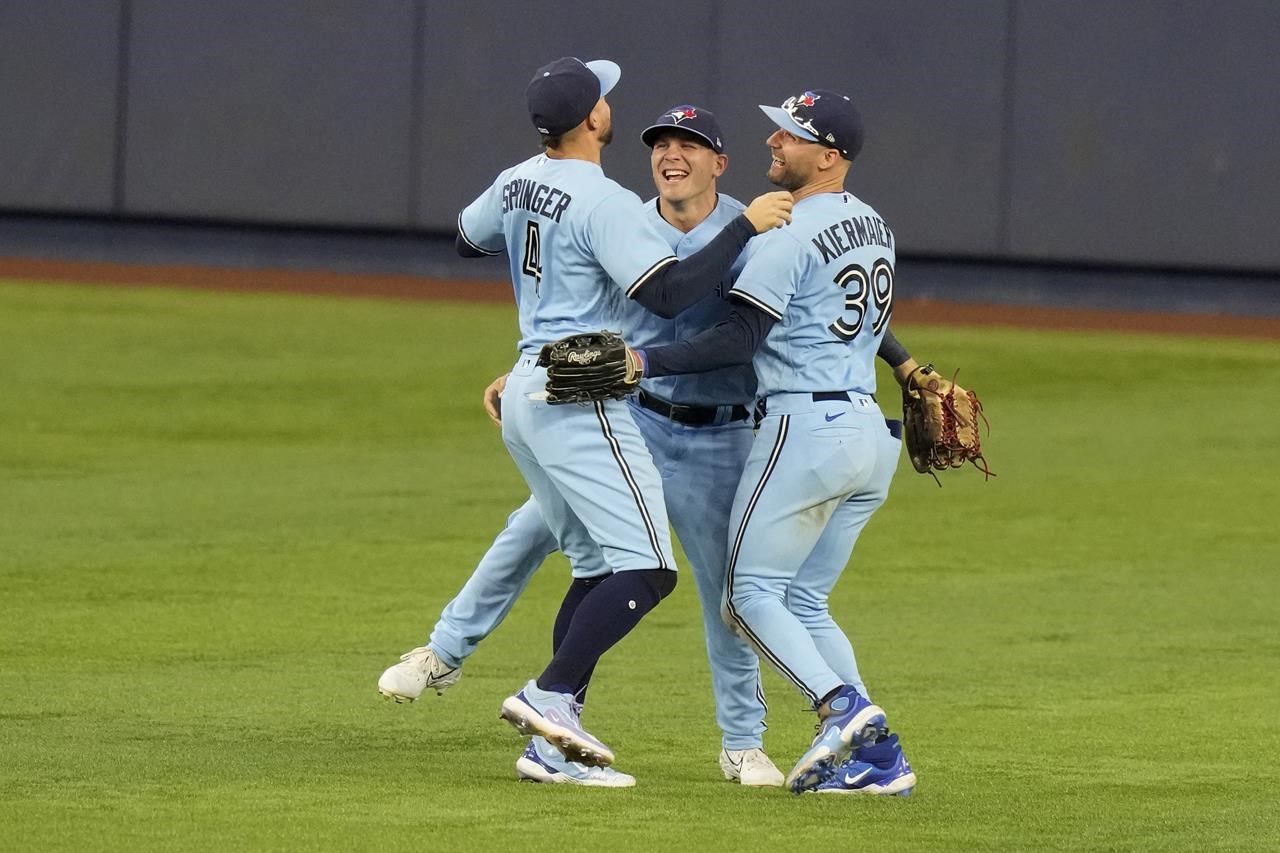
562, 93
819, 115
689, 118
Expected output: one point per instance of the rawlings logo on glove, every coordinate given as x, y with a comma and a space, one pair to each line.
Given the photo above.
589, 367
940, 423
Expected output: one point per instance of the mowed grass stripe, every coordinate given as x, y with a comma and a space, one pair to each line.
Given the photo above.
222, 515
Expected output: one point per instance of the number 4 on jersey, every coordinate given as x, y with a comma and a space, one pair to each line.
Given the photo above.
532, 265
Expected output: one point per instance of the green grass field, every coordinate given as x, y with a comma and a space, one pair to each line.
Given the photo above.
222, 515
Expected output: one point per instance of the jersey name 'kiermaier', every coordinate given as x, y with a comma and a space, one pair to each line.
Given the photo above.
827, 278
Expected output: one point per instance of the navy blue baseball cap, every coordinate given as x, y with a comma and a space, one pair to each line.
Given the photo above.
689, 118
562, 93
819, 115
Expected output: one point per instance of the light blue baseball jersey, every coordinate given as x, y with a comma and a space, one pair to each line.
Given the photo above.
577, 241
827, 278
641, 328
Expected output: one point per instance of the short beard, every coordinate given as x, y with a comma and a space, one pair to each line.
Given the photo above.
607, 136
788, 180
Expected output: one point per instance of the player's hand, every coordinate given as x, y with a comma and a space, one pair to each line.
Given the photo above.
770, 210
493, 399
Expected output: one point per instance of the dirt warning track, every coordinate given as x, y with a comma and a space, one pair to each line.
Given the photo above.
319, 282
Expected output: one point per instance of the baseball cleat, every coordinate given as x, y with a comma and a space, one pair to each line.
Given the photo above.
879, 769
541, 762
850, 722
751, 767
417, 670
554, 716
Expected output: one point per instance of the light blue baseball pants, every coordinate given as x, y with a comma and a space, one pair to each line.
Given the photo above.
815, 475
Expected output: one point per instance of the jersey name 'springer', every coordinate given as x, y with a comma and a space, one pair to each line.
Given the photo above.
578, 244
535, 197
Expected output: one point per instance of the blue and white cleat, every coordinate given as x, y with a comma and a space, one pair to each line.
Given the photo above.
850, 722
879, 769
554, 716
542, 762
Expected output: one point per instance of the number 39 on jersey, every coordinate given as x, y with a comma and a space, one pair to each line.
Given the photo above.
861, 286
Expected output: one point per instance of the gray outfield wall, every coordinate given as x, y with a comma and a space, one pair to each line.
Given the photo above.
1130, 132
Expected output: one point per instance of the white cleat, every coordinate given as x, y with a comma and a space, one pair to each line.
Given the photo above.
750, 767
541, 762
417, 670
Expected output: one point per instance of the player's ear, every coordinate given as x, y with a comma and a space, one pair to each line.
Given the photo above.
722, 163
596, 118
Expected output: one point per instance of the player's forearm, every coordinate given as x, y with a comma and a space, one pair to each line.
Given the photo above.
894, 354
891, 351
686, 282
731, 342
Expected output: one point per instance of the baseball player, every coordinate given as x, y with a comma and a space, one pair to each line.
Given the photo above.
578, 247
813, 304
699, 431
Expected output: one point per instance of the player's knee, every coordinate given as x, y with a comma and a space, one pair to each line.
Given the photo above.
726, 614
661, 581
809, 609
731, 617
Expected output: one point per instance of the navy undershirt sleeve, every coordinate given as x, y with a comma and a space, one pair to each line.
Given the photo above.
892, 352
734, 341
677, 286
730, 342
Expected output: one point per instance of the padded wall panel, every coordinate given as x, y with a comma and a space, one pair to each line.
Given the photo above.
58, 82
289, 111
1145, 131
480, 56
929, 79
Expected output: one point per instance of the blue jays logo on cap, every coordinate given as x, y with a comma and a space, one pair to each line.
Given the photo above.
693, 120
797, 107
818, 115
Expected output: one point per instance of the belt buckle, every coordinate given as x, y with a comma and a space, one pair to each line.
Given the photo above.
682, 414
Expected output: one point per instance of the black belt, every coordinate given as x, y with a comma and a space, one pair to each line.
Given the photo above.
689, 415
818, 397
841, 396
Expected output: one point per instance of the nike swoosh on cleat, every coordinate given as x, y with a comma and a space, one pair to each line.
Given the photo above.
831, 418
853, 780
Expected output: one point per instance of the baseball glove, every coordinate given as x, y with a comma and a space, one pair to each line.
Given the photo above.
589, 367
940, 423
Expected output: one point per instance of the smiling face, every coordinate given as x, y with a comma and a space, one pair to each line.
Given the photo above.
684, 167
795, 160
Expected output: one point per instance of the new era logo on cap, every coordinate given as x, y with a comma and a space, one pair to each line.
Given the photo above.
694, 120
562, 93
823, 116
